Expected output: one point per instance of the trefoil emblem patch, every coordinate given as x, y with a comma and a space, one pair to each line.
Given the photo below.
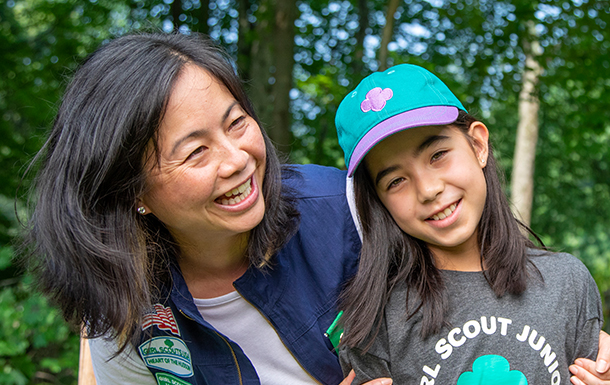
376, 99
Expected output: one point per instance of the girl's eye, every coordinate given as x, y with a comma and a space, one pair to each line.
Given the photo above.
395, 182
438, 155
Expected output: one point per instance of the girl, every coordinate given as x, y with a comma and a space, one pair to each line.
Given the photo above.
449, 289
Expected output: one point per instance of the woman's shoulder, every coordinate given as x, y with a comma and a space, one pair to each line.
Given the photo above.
125, 368
314, 181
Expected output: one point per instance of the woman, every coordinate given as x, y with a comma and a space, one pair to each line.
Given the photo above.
165, 222
158, 186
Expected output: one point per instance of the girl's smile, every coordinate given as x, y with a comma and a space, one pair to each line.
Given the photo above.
447, 216
430, 179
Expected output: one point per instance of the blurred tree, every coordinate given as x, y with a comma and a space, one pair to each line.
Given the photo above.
40, 41
265, 57
357, 65
572, 176
299, 59
522, 182
388, 32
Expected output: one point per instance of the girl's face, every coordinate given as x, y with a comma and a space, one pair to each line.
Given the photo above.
431, 181
207, 184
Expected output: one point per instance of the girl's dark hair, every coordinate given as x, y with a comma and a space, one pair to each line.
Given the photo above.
390, 256
100, 261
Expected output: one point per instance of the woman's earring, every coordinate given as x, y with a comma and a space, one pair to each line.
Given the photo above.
141, 210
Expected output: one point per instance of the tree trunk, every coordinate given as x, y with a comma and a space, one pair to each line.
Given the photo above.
244, 41
271, 64
522, 182
363, 23
202, 14
285, 14
388, 32
176, 10
260, 60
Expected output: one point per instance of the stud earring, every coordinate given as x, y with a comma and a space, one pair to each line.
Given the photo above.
141, 210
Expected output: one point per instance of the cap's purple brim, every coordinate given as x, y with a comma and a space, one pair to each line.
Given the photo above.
425, 116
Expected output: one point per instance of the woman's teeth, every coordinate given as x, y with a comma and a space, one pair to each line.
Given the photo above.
445, 213
237, 194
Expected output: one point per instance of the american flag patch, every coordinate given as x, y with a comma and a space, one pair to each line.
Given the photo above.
161, 317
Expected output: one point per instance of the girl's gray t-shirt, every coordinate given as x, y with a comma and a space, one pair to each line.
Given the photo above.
531, 338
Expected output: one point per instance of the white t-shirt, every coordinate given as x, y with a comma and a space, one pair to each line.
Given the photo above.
234, 317
273, 361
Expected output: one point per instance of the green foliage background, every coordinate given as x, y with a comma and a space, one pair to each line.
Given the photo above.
474, 45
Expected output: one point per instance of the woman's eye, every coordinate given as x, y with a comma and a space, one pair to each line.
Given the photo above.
237, 122
197, 151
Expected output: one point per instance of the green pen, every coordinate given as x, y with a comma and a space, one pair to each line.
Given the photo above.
333, 333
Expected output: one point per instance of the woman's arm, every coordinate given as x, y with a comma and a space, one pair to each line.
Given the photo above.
588, 372
126, 368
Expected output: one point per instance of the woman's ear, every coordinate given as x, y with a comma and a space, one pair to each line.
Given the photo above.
141, 207
480, 141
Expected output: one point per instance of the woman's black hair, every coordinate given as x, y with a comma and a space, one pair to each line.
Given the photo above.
100, 261
390, 256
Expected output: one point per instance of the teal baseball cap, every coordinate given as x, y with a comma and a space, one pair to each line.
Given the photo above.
384, 103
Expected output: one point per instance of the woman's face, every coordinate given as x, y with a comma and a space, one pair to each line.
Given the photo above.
431, 181
211, 163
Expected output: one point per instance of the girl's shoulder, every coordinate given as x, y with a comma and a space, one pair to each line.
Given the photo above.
550, 263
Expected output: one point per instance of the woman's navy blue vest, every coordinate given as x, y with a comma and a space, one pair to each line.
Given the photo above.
297, 293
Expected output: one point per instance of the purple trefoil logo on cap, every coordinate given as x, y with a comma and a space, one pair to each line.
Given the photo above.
375, 99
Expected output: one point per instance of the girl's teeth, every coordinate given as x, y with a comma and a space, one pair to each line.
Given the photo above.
445, 213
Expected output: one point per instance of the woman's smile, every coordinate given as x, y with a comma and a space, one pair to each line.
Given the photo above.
241, 197
236, 195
